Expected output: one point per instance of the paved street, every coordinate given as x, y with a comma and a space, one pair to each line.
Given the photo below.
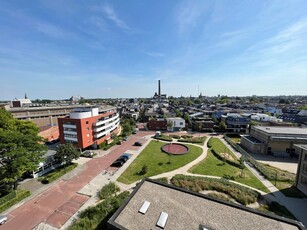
56, 206
58, 203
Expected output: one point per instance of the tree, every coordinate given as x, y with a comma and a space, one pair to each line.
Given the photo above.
170, 125
222, 125
66, 153
187, 118
20, 149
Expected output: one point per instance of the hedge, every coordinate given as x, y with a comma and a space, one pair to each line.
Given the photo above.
13, 198
163, 138
58, 172
193, 140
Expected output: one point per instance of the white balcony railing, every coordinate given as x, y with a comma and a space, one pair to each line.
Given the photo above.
70, 132
96, 130
71, 139
99, 123
69, 126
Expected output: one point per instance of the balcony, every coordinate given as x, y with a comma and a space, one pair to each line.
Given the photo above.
106, 126
69, 126
70, 132
107, 132
71, 139
99, 123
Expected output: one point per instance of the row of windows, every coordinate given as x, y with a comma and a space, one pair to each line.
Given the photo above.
70, 135
70, 129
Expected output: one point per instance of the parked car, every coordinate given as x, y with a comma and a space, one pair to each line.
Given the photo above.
117, 163
122, 158
138, 143
3, 219
87, 154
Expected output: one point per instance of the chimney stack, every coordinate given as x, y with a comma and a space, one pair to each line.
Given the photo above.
159, 89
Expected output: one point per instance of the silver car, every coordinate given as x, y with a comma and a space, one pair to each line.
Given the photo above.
3, 219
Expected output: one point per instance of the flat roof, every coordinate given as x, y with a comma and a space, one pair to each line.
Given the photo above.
282, 130
189, 210
302, 146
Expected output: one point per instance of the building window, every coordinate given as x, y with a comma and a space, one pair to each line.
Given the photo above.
87, 122
88, 128
305, 157
305, 168
87, 135
181, 123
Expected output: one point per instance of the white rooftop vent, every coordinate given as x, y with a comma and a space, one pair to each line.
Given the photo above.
162, 220
144, 207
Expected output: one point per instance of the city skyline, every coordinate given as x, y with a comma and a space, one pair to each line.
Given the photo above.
114, 49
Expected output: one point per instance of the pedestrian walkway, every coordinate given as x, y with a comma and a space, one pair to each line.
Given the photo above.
298, 207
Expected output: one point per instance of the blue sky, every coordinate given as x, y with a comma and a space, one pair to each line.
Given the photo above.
100, 49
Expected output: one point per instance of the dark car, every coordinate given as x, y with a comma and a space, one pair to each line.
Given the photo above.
138, 143
118, 163
122, 158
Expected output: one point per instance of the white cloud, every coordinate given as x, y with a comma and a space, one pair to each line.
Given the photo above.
111, 15
188, 15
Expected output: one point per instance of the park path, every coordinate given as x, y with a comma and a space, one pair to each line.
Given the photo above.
298, 207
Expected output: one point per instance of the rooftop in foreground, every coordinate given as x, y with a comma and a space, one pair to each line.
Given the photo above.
189, 210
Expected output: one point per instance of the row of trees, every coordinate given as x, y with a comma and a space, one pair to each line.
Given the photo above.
20, 150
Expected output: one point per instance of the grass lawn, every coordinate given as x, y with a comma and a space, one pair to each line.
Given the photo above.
215, 167
219, 147
157, 162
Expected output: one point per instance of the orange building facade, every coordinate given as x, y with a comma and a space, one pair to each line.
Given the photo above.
86, 127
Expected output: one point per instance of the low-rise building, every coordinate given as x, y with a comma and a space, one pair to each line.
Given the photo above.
175, 124
277, 141
235, 122
90, 126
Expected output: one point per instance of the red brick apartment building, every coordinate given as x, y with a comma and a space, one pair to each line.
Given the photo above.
88, 126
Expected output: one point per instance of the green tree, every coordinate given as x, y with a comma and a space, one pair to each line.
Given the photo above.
187, 118
20, 149
66, 153
222, 125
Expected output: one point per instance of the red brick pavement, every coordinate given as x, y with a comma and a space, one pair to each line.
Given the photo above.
50, 204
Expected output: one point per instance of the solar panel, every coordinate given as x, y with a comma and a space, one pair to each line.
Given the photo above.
162, 220
144, 207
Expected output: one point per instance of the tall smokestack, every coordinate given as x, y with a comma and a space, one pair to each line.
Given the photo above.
159, 89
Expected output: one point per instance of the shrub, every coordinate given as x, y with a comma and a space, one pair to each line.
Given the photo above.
58, 172
107, 191
241, 194
193, 140
97, 216
162, 179
186, 136
175, 136
144, 170
163, 138
10, 200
